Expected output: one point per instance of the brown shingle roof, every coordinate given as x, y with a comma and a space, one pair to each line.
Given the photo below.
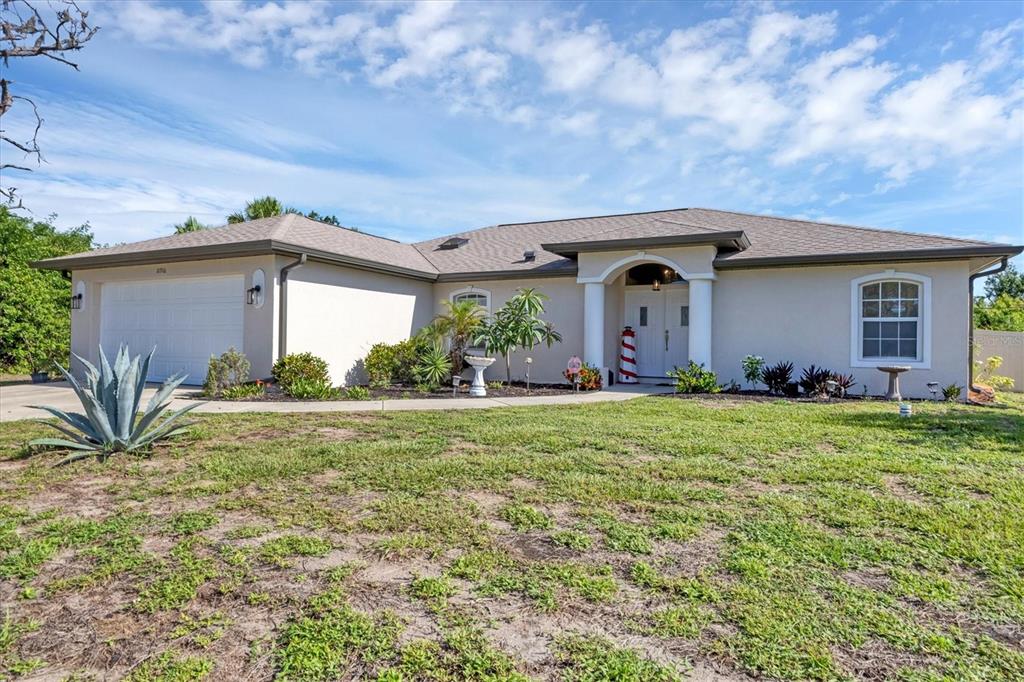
500, 248
498, 251
283, 234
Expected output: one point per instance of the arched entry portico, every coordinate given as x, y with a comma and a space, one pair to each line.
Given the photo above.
595, 283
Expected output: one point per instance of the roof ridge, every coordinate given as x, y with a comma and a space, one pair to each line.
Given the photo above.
280, 228
591, 217
883, 230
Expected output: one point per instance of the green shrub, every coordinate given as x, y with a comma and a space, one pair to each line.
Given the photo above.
393, 363
312, 389
381, 364
952, 392
227, 371
357, 393
243, 391
434, 366
695, 379
295, 366
753, 365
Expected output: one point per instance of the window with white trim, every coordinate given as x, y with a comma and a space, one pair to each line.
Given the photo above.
890, 324
479, 296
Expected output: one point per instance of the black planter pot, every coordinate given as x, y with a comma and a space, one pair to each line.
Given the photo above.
40, 377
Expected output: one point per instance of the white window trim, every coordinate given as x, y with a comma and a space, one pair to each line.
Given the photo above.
472, 290
924, 314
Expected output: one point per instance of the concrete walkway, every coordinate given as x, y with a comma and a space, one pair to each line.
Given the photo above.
15, 400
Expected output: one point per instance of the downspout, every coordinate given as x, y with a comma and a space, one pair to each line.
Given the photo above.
282, 323
970, 317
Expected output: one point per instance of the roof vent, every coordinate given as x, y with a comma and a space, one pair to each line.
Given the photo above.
453, 243
529, 255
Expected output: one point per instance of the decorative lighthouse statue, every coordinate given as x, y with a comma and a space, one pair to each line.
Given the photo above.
627, 357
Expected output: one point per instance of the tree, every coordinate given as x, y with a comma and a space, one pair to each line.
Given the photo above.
1009, 282
517, 324
458, 325
191, 224
1002, 306
1006, 313
25, 32
329, 219
35, 320
268, 207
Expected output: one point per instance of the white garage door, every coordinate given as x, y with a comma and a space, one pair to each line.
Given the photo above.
187, 320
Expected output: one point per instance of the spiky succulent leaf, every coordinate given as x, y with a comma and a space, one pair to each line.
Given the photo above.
149, 418
126, 400
62, 443
76, 420
78, 438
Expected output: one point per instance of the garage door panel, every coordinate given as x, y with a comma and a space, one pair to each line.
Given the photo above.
186, 319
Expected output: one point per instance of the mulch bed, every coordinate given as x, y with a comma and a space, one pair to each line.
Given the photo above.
273, 393
515, 390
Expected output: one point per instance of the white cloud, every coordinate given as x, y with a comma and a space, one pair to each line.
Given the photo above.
574, 60
582, 123
777, 29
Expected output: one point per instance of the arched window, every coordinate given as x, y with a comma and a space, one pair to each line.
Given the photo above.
481, 297
890, 319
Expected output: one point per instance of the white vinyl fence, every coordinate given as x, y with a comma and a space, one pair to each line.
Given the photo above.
1009, 346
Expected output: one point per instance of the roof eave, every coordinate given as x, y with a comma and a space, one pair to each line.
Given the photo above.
89, 261
506, 274
262, 247
951, 253
735, 240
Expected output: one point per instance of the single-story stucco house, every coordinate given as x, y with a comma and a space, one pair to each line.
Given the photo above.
695, 284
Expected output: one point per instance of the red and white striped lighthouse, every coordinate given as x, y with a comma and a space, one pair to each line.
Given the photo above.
627, 357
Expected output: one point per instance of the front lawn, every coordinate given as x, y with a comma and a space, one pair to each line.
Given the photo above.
636, 541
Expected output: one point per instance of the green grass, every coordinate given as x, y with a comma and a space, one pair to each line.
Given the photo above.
774, 539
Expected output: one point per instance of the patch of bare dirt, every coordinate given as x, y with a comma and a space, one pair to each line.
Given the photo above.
896, 486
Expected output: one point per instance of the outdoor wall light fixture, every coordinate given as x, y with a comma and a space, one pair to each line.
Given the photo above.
78, 297
254, 295
656, 286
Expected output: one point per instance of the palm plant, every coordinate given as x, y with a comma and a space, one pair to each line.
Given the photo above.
110, 399
191, 224
518, 325
434, 366
261, 207
458, 324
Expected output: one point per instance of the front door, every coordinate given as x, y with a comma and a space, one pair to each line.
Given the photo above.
661, 322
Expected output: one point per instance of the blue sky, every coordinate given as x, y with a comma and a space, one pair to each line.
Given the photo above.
416, 120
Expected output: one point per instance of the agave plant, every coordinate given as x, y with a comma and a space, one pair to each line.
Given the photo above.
110, 398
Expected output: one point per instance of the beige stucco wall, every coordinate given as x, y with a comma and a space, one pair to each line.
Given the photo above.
802, 315
796, 314
607, 265
337, 313
259, 323
564, 310
1007, 345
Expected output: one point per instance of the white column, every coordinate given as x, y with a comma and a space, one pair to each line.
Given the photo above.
700, 321
593, 324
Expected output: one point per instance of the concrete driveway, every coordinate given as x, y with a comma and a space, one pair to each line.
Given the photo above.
15, 400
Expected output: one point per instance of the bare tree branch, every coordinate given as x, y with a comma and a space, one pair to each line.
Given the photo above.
24, 32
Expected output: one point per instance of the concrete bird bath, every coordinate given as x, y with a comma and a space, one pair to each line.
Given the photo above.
478, 388
894, 372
